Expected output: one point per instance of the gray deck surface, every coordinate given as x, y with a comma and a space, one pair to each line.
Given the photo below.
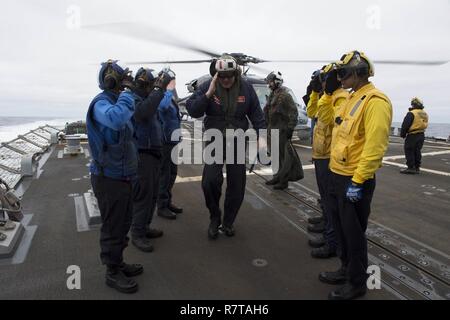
186, 265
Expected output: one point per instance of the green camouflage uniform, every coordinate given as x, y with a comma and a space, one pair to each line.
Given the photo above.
281, 113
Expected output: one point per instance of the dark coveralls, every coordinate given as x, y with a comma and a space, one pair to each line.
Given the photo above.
113, 167
149, 140
171, 121
219, 116
413, 143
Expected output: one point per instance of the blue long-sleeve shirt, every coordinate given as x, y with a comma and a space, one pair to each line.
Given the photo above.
166, 101
115, 116
112, 118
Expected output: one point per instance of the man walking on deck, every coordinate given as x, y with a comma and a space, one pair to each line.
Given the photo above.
227, 101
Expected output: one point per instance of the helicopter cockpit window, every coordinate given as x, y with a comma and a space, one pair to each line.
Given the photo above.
262, 91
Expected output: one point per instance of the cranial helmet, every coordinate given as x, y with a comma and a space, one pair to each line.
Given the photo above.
276, 77
354, 61
416, 102
110, 75
224, 64
145, 77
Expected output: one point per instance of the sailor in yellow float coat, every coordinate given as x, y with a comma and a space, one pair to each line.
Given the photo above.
326, 247
413, 129
359, 141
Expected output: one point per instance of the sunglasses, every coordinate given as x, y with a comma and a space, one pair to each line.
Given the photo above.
226, 75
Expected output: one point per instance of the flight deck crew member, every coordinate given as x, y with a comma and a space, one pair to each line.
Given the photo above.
171, 121
327, 246
281, 114
151, 94
413, 129
360, 138
113, 167
227, 100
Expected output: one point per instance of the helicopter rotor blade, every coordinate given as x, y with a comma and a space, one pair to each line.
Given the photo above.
259, 69
146, 32
168, 62
393, 62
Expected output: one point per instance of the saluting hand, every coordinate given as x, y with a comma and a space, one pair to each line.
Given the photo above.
172, 84
212, 87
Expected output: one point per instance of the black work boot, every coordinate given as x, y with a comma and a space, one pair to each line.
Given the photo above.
316, 228
175, 209
408, 171
153, 233
348, 292
142, 243
333, 277
131, 270
166, 213
229, 231
317, 242
417, 170
315, 220
116, 279
272, 182
213, 230
323, 252
281, 186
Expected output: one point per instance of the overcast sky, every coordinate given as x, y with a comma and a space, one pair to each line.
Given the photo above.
49, 62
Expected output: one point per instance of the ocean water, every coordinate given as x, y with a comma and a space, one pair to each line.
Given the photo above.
441, 130
11, 127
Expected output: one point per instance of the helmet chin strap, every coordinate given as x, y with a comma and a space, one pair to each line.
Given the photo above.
358, 82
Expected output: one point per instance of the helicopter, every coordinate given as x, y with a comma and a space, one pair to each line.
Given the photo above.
245, 62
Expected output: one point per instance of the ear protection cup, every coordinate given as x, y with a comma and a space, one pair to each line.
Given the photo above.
111, 80
110, 83
212, 68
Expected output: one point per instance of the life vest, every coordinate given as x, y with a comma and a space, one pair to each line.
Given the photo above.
323, 132
420, 122
348, 137
119, 160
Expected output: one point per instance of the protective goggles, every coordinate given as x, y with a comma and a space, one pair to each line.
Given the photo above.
344, 72
323, 76
226, 74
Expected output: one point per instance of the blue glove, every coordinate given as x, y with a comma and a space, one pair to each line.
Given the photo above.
354, 192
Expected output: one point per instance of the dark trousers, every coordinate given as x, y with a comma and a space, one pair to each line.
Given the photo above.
167, 177
350, 226
413, 147
323, 174
145, 190
115, 201
212, 181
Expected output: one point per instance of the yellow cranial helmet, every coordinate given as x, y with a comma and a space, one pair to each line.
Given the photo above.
325, 71
328, 67
354, 61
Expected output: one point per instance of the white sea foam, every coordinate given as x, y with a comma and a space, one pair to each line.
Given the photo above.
11, 127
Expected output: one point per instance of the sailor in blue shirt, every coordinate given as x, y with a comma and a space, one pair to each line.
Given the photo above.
113, 167
153, 92
171, 121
